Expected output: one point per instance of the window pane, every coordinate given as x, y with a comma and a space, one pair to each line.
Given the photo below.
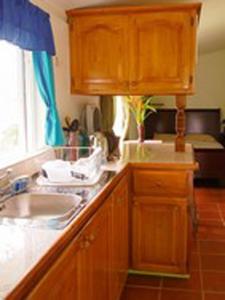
12, 125
119, 122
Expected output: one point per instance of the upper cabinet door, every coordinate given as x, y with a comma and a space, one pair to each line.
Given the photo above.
162, 52
99, 54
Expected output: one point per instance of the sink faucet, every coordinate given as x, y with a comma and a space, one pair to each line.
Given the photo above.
10, 187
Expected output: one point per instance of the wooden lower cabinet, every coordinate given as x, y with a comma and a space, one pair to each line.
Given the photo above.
94, 266
159, 237
62, 280
161, 201
96, 256
83, 270
120, 238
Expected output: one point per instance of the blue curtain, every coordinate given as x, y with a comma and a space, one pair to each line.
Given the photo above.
26, 26
43, 70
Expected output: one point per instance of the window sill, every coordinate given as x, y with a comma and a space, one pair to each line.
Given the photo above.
28, 164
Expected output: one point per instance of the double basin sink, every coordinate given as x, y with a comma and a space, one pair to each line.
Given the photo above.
41, 210
54, 208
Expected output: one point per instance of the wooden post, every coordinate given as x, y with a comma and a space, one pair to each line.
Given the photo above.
180, 123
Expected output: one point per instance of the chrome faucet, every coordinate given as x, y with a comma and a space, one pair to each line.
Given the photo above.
10, 187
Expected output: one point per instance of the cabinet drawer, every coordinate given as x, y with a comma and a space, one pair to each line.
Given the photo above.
160, 183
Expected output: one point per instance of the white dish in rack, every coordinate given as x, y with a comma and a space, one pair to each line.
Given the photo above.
43, 181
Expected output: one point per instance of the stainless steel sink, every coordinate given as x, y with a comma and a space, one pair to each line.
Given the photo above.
52, 210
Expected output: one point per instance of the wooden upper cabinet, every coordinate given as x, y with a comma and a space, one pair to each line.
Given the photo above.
99, 54
162, 52
133, 50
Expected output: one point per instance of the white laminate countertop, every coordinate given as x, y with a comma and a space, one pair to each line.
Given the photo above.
20, 249
151, 152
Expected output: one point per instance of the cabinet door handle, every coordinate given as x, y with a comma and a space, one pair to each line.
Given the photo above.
92, 237
86, 244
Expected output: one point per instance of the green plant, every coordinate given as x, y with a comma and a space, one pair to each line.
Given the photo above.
141, 107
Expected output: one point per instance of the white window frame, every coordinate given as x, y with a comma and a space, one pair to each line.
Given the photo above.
31, 112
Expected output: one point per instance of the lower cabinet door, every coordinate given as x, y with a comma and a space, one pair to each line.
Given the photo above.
120, 239
83, 271
96, 257
159, 234
62, 281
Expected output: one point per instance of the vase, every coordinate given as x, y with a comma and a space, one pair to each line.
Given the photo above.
73, 142
141, 133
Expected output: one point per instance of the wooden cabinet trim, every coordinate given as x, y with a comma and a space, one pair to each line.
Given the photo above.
134, 9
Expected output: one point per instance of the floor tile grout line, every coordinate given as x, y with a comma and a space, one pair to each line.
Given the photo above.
200, 272
141, 286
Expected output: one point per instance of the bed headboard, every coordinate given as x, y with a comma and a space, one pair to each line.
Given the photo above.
205, 121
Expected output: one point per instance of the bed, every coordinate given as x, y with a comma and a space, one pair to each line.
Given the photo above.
202, 131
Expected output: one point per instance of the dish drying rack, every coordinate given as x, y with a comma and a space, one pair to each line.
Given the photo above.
82, 163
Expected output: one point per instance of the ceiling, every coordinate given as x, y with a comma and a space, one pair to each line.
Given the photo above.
212, 22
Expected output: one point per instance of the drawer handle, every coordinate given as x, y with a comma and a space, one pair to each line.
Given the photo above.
86, 244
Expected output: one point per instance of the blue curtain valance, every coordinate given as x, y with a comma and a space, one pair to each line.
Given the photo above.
26, 26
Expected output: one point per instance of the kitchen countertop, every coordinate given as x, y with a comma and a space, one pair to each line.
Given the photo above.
24, 251
155, 153
22, 248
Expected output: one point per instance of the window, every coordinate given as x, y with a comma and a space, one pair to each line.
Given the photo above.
120, 114
21, 109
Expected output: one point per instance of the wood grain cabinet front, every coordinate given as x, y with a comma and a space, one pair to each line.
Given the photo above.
98, 47
159, 236
94, 265
160, 182
162, 53
133, 50
120, 237
62, 281
83, 271
161, 225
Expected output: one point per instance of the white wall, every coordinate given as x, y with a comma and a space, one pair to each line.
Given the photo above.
210, 83
67, 104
